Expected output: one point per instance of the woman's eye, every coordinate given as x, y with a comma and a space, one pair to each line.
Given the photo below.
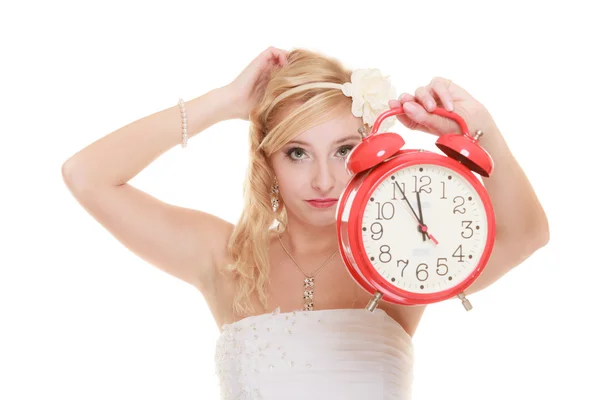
344, 151
295, 153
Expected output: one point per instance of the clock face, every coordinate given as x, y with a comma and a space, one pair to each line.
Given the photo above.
453, 216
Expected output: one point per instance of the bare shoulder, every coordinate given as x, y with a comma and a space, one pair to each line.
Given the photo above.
408, 317
221, 298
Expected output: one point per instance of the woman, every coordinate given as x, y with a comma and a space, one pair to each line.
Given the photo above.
293, 321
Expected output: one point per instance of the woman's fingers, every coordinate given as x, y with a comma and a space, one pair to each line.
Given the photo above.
418, 108
404, 97
403, 118
277, 55
424, 95
440, 88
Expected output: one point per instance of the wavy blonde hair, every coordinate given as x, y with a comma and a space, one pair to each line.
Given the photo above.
273, 122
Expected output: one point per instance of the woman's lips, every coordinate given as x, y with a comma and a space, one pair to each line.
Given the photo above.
322, 203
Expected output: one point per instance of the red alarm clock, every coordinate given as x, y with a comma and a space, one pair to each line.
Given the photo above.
416, 227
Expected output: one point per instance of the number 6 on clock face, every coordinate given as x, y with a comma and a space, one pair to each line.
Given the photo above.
451, 210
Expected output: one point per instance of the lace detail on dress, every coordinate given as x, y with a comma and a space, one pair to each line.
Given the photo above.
343, 353
240, 358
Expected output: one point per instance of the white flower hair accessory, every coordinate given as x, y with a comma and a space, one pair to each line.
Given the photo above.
370, 92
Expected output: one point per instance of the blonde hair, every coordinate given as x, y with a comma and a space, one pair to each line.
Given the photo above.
280, 115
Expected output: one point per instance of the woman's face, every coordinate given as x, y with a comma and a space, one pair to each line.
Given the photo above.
311, 169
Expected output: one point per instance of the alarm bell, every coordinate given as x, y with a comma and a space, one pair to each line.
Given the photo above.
464, 148
378, 147
373, 149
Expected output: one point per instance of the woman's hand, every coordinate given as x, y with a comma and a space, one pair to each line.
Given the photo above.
248, 88
440, 93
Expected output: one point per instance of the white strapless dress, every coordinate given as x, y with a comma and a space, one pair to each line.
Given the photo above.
312, 355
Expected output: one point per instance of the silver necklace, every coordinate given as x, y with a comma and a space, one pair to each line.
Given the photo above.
309, 280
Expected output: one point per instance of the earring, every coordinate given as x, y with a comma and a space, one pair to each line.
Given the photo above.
275, 196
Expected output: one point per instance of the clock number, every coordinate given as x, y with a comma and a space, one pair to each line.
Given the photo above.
403, 268
386, 252
460, 253
443, 190
402, 191
420, 272
441, 265
423, 185
378, 232
467, 227
381, 210
456, 210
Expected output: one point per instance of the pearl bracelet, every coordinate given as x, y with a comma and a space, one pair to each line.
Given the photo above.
183, 123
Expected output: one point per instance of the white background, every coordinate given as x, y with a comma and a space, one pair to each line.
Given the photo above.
81, 317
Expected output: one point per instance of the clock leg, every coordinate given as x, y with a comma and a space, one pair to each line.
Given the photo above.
374, 301
465, 302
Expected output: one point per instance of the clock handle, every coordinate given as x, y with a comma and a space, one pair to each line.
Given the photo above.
465, 302
442, 112
462, 147
374, 301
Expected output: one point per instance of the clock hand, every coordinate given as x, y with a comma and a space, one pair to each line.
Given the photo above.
421, 214
406, 198
421, 225
424, 229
